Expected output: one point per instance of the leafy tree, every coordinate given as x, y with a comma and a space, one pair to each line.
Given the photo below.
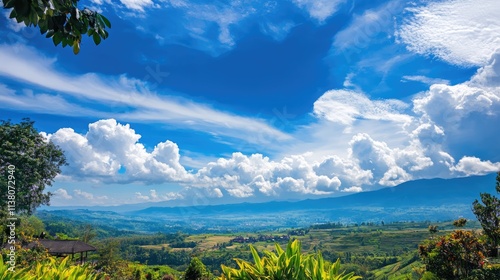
453, 256
88, 233
488, 214
460, 222
433, 229
28, 163
285, 264
60, 20
196, 270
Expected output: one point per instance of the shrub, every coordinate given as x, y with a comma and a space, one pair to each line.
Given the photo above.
453, 256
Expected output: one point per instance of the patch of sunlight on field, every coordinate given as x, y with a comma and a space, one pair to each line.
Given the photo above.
155, 247
206, 242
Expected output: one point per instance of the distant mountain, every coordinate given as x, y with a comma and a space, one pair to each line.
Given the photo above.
418, 193
419, 200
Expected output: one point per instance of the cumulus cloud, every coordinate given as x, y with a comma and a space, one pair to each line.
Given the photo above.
93, 199
62, 193
109, 146
448, 105
154, 196
352, 189
244, 176
474, 166
343, 106
461, 32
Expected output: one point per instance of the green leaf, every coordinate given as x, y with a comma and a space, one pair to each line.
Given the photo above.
96, 38
76, 47
50, 33
9, 4
13, 14
106, 21
57, 38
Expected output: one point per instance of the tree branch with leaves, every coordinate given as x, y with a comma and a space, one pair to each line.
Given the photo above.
60, 20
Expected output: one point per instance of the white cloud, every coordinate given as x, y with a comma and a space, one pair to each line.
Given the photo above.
138, 5
352, 189
449, 105
118, 94
364, 28
461, 32
139, 195
255, 175
278, 31
319, 9
108, 146
93, 199
425, 80
12, 24
343, 106
62, 193
474, 166
224, 16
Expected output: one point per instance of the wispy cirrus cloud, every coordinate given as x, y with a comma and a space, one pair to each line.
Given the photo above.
343, 106
425, 80
319, 10
126, 98
366, 27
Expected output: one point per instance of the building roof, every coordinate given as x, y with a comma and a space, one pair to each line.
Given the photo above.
64, 246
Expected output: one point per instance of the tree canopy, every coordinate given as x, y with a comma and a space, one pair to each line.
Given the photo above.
488, 214
60, 20
196, 270
28, 163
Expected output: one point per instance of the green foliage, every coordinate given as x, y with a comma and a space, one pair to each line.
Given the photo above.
433, 229
460, 222
285, 264
429, 276
60, 20
488, 214
109, 260
50, 269
27, 165
453, 256
196, 270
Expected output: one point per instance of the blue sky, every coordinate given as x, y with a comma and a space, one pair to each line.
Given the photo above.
196, 102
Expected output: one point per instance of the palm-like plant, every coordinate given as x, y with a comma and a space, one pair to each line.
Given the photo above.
285, 265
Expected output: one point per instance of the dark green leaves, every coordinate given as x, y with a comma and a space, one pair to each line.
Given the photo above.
60, 20
36, 162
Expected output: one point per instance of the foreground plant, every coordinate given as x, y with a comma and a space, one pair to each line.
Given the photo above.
289, 264
50, 269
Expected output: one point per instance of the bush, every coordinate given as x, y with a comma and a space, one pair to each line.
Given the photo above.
453, 256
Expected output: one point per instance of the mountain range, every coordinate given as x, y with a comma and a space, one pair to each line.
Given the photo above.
419, 200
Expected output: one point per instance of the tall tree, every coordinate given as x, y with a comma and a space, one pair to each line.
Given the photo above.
196, 270
28, 163
488, 214
60, 20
